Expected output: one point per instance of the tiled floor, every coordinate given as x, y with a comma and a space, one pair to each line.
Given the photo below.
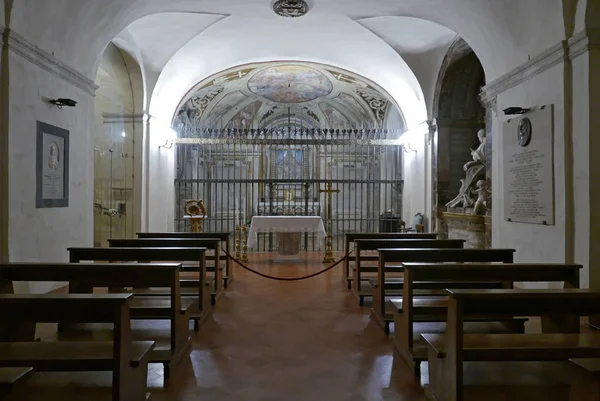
272, 340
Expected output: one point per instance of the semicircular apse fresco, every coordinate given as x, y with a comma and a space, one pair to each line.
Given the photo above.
290, 84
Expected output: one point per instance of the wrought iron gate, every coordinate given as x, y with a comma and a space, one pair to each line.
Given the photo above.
243, 173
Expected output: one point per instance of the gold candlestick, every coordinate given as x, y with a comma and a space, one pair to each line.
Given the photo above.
244, 244
237, 242
329, 242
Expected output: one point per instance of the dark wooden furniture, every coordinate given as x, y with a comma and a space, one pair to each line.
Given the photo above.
560, 339
211, 244
11, 377
128, 360
225, 244
200, 309
425, 255
585, 385
84, 278
351, 237
359, 290
412, 310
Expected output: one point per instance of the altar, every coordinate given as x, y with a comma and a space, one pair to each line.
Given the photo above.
289, 231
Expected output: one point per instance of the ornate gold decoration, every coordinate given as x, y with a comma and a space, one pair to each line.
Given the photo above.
289, 195
329, 241
197, 212
244, 244
237, 242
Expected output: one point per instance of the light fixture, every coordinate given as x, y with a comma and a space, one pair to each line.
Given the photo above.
123, 134
409, 147
290, 8
63, 102
169, 138
510, 111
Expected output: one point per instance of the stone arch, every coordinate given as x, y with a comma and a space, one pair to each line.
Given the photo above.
118, 137
458, 114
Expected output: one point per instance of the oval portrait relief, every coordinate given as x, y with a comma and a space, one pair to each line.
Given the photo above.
524, 132
53, 156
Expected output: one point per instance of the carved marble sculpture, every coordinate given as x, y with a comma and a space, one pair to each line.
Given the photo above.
482, 196
474, 169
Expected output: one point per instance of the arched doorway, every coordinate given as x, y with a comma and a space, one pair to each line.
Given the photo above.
459, 115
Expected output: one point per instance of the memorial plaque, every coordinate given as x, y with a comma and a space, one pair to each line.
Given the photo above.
528, 164
52, 165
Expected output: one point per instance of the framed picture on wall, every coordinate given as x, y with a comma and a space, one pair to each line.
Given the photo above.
52, 166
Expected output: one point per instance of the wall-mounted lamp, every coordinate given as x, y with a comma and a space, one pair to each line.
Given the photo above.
60, 103
511, 111
409, 147
169, 136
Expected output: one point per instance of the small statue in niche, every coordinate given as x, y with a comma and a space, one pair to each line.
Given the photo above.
482, 196
474, 169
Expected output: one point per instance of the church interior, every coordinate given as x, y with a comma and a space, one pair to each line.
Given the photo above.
335, 200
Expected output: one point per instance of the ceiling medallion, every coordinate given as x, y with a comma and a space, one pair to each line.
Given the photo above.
290, 8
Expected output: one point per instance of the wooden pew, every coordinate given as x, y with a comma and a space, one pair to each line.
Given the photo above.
362, 245
84, 278
11, 377
225, 244
411, 309
351, 237
201, 307
585, 384
425, 255
211, 244
560, 339
128, 360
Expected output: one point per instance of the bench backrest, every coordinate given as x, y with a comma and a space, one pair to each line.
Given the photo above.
445, 255
223, 236
20, 313
208, 243
132, 254
448, 274
375, 244
351, 237
562, 307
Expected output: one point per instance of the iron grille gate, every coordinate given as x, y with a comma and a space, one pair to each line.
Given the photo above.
240, 174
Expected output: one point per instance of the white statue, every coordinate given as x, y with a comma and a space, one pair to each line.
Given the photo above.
482, 196
474, 169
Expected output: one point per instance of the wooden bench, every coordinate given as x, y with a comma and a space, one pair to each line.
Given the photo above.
363, 245
560, 339
211, 244
11, 377
225, 244
351, 237
84, 278
200, 309
425, 255
412, 308
128, 360
585, 384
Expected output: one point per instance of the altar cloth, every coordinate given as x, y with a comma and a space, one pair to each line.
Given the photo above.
285, 224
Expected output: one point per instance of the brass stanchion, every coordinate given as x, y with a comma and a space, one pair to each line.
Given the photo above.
237, 241
329, 242
244, 244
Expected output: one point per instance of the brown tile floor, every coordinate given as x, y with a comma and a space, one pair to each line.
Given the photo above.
271, 340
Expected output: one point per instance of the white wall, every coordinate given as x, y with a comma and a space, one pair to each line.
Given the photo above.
45, 234
533, 242
416, 197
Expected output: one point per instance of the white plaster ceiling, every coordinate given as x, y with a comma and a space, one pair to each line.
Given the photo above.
503, 33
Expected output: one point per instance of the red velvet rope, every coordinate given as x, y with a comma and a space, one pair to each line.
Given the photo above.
293, 278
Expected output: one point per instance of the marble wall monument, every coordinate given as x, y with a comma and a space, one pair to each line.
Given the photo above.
528, 163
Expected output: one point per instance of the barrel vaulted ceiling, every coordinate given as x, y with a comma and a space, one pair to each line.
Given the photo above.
280, 93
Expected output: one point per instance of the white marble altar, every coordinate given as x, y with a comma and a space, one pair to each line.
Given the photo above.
286, 225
